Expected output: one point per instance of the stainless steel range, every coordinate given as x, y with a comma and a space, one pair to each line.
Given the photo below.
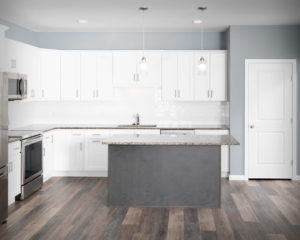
32, 161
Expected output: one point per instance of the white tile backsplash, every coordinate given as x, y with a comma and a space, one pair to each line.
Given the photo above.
146, 102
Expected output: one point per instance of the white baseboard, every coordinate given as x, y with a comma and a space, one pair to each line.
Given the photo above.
237, 177
224, 174
297, 178
79, 174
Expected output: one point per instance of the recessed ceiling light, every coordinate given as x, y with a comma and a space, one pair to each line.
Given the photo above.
82, 21
197, 21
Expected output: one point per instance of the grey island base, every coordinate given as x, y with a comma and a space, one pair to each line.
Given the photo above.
147, 170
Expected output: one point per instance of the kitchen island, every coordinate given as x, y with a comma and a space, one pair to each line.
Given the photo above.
165, 170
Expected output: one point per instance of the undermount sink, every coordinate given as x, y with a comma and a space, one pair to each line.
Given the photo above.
136, 126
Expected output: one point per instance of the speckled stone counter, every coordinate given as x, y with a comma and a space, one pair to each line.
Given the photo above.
49, 127
165, 170
206, 140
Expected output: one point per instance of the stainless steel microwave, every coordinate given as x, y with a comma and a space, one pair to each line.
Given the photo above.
17, 86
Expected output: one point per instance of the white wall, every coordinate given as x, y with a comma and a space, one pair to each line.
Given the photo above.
128, 102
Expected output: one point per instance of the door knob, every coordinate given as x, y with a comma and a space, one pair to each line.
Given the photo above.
251, 126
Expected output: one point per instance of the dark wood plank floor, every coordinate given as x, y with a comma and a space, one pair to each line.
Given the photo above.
75, 208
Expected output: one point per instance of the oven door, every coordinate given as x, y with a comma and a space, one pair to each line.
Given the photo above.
32, 158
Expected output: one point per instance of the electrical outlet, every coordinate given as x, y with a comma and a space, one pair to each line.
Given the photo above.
13, 63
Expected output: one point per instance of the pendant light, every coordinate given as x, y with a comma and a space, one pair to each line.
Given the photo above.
143, 65
202, 64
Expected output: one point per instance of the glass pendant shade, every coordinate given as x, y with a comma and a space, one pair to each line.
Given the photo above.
143, 64
202, 65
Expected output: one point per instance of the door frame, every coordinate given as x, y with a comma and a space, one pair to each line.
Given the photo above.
294, 109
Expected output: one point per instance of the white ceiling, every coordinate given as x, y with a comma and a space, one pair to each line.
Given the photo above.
163, 15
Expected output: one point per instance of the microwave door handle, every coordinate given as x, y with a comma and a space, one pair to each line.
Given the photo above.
21, 87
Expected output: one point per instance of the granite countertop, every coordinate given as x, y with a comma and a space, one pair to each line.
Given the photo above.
205, 140
48, 127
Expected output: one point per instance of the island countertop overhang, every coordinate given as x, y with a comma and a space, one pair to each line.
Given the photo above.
171, 140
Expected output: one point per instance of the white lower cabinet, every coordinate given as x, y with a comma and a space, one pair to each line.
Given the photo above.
48, 155
14, 171
69, 150
224, 149
96, 153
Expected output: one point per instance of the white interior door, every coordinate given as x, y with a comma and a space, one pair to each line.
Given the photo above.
270, 120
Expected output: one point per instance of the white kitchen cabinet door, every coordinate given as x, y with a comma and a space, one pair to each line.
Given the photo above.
96, 153
151, 77
48, 155
14, 171
70, 75
125, 68
185, 88
202, 79
169, 76
62, 152
218, 76
88, 75
3, 49
76, 150
105, 90
224, 149
50, 75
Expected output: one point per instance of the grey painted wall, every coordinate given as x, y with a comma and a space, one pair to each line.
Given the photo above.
116, 41
255, 42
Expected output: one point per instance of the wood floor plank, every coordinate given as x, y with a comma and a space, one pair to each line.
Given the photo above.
223, 227
206, 219
133, 216
276, 237
176, 224
289, 211
191, 224
244, 207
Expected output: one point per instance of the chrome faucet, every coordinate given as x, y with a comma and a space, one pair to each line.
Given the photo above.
137, 119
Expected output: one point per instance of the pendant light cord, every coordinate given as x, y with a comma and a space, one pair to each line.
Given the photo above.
143, 29
202, 33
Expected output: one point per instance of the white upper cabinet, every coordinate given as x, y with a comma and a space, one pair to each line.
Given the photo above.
177, 76
185, 76
169, 75
202, 79
88, 75
70, 75
50, 75
218, 76
127, 72
3, 48
96, 76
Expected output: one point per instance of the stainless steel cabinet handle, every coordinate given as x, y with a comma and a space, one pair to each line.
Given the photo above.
16, 149
208, 94
96, 141
94, 94
96, 134
211, 93
97, 93
175, 93
43, 92
81, 146
179, 93
134, 78
77, 93
44, 152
